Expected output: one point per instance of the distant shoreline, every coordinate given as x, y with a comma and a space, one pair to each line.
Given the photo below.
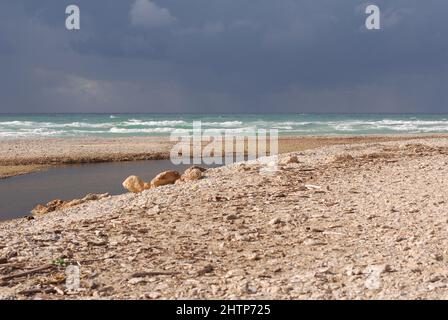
26, 155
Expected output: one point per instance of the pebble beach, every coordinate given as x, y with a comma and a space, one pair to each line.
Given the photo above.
346, 221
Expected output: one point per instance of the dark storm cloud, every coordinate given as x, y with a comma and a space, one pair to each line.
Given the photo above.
223, 56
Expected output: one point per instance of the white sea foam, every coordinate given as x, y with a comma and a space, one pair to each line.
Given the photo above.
136, 122
17, 123
146, 130
222, 124
39, 132
45, 126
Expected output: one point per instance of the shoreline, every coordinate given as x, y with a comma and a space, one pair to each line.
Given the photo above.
364, 221
22, 156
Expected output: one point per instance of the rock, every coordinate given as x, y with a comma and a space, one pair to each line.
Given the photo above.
275, 221
342, 158
313, 242
198, 167
207, 269
59, 204
147, 185
94, 197
39, 209
235, 273
135, 281
289, 159
49, 207
134, 184
192, 174
72, 203
164, 178
353, 271
254, 257
153, 295
250, 289
53, 205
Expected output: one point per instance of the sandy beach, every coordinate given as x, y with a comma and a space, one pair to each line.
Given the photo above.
348, 221
20, 156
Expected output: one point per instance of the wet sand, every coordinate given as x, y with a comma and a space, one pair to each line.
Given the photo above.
20, 156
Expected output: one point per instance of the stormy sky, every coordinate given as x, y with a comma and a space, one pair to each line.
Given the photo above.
223, 56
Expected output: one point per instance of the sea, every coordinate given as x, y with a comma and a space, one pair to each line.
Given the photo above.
131, 125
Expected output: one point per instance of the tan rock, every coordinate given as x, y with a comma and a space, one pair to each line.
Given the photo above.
72, 203
94, 197
192, 174
134, 184
49, 207
147, 185
59, 204
289, 159
164, 178
54, 205
39, 210
345, 157
202, 169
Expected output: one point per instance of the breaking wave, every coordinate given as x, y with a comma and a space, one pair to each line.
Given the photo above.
24, 126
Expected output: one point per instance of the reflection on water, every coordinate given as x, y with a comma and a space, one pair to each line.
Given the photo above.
19, 195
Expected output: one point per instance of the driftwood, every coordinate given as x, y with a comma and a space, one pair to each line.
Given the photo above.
31, 292
153, 274
26, 273
12, 264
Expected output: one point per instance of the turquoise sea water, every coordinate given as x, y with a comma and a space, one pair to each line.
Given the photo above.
125, 125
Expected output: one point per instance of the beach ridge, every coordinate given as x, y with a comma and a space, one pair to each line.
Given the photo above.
21, 156
310, 230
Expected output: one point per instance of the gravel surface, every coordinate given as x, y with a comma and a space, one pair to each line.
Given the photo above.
363, 221
20, 156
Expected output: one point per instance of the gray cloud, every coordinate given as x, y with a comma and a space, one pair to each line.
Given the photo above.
145, 13
223, 56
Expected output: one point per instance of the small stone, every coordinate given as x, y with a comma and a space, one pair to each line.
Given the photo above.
275, 290
39, 210
134, 281
275, 221
254, 257
235, 273
312, 242
207, 269
192, 174
289, 159
438, 257
342, 158
250, 289
153, 295
352, 271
